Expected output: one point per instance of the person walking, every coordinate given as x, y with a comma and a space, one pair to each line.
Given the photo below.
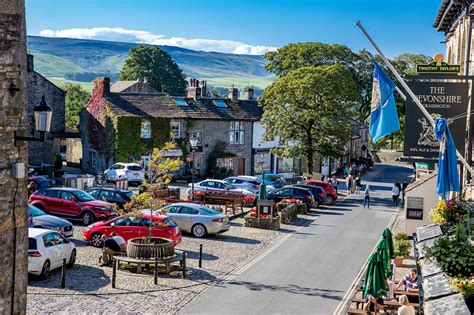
358, 184
348, 184
404, 187
334, 182
395, 194
367, 196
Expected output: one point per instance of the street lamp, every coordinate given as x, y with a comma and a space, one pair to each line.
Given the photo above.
42, 114
193, 142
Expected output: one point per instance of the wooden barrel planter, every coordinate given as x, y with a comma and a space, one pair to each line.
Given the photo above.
157, 248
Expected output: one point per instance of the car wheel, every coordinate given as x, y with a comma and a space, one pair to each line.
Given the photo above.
72, 259
45, 271
330, 200
96, 239
199, 230
317, 204
87, 218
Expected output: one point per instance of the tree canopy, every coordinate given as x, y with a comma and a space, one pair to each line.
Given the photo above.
76, 99
157, 66
308, 110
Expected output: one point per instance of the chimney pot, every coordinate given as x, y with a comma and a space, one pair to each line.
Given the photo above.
233, 94
248, 93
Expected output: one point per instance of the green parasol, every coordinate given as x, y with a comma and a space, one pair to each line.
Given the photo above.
383, 251
388, 239
375, 282
262, 190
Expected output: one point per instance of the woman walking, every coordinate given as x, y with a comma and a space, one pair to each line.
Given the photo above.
367, 196
395, 194
358, 184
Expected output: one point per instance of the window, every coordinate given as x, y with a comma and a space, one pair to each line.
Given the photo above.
146, 130
175, 130
181, 102
93, 192
237, 132
93, 158
49, 240
220, 103
52, 193
32, 244
173, 209
262, 162
66, 195
228, 163
187, 210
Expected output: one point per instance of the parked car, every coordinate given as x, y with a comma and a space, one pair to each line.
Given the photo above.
130, 227
197, 219
112, 195
331, 193
131, 171
219, 185
37, 218
290, 192
318, 193
274, 180
41, 181
46, 251
251, 183
73, 203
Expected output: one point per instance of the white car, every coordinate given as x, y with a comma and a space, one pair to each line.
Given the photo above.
251, 183
46, 251
131, 171
216, 184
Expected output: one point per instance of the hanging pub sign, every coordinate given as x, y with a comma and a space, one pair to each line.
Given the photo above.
441, 99
438, 66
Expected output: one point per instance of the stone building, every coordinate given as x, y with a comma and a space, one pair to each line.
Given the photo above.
121, 127
13, 187
139, 86
43, 152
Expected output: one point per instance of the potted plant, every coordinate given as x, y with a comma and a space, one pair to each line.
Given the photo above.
401, 248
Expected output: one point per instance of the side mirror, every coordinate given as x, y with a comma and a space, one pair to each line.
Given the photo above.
67, 240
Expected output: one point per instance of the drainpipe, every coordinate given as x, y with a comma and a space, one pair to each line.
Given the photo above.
468, 144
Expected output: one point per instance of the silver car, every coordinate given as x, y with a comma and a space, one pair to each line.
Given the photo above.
197, 219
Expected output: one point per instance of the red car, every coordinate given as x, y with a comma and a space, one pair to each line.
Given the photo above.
73, 203
132, 227
331, 193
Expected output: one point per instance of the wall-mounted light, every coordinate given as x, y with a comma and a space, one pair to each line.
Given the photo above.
42, 114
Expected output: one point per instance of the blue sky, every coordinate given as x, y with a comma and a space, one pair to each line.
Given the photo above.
242, 26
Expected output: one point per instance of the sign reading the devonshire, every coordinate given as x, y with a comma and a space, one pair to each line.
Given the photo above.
441, 99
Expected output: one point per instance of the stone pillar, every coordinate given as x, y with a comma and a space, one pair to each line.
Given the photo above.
13, 191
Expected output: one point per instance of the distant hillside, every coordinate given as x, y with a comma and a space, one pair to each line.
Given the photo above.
65, 59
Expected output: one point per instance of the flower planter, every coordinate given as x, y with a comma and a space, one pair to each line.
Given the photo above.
289, 214
157, 247
263, 223
398, 262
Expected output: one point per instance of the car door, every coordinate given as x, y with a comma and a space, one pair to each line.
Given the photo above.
173, 212
51, 251
51, 198
187, 217
69, 204
62, 246
124, 228
112, 172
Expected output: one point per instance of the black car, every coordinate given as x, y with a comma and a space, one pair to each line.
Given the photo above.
318, 193
292, 192
112, 195
39, 219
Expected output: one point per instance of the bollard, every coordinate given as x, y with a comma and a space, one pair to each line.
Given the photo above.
114, 272
200, 256
184, 265
63, 274
156, 270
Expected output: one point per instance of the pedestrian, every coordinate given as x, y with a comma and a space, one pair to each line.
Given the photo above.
358, 184
348, 184
334, 182
404, 187
346, 170
395, 194
405, 308
367, 196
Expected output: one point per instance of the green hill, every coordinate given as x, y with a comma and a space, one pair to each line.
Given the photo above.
78, 60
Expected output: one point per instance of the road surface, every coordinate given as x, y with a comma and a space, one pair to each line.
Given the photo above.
310, 271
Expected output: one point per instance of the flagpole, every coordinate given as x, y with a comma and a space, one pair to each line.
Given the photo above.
409, 91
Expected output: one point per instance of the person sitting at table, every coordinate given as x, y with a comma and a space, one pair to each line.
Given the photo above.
410, 282
120, 241
111, 248
405, 309
370, 303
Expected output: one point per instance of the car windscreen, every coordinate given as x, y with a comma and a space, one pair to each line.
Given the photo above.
83, 196
230, 186
134, 168
209, 211
129, 194
170, 222
32, 243
34, 212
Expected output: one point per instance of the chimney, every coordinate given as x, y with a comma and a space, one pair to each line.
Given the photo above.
29, 63
203, 89
194, 90
101, 88
248, 93
233, 94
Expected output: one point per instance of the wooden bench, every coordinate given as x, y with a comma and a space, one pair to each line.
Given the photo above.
232, 200
167, 261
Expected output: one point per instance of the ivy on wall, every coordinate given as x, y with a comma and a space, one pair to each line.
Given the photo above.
130, 146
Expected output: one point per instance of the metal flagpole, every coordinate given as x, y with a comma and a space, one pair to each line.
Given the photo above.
409, 91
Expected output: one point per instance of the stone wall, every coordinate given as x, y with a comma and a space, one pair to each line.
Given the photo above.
37, 86
74, 150
13, 192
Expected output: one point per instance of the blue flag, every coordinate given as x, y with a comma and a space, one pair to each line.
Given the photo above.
448, 179
383, 112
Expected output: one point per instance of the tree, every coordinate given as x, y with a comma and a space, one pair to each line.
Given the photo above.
76, 99
157, 66
308, 109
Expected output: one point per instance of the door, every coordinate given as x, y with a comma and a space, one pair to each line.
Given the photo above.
62, 246
188, 217
128, 227
241, 166
51, 197
112, 172
51, 251
173, 212
69, 205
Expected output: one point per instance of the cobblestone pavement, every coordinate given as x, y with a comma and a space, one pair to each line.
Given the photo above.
88, 286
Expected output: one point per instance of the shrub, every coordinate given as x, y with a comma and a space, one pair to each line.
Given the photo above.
464, 285
402, 248
400, 236
57, 161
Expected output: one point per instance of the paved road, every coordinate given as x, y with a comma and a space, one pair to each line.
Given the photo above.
311, 271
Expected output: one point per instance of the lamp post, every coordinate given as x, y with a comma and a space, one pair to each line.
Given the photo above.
42, 114
193, 142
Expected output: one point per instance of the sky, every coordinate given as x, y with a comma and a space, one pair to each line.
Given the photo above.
243, 26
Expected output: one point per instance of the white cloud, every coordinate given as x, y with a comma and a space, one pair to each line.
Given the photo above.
135, 36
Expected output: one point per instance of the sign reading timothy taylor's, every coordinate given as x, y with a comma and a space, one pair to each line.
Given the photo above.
441, 99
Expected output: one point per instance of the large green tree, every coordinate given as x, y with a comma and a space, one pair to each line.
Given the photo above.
308, 108
155, 64
76, 99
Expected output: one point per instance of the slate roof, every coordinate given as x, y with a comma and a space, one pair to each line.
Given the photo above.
448, 13
161, 105
119, 86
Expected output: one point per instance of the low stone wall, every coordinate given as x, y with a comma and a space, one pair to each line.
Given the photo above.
289, 214
269, 224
